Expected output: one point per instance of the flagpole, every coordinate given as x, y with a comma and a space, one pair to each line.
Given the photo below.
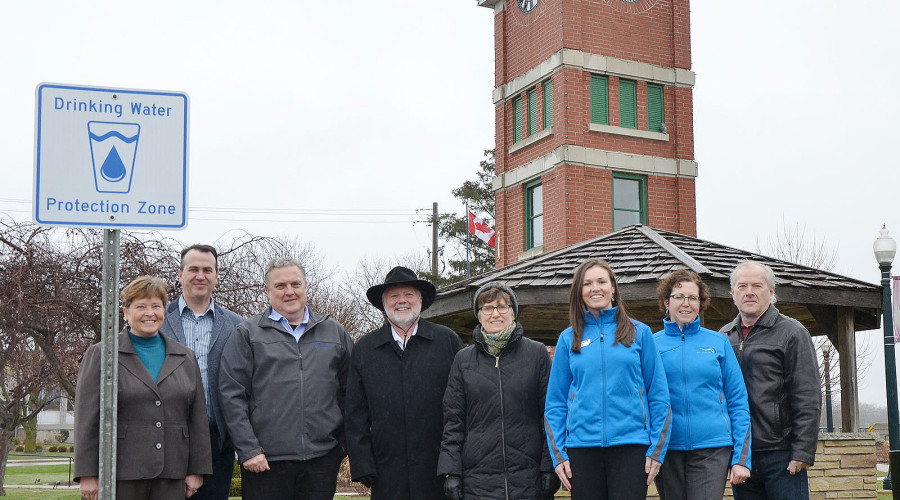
468, 221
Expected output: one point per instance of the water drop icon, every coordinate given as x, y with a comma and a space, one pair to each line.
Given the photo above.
113, 170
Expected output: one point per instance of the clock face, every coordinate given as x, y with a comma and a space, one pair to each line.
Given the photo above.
526, 6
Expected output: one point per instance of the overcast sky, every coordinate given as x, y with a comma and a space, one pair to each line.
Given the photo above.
335, 122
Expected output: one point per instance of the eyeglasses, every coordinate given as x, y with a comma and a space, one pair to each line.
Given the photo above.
693, 299
488, 310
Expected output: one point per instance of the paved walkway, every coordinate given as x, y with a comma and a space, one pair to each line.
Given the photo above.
19, 463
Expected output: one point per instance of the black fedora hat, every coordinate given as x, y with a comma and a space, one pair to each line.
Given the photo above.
402, 276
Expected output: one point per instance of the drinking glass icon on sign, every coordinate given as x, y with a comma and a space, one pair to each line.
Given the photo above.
113, 147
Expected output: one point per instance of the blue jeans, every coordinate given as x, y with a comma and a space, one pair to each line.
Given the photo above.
770, 480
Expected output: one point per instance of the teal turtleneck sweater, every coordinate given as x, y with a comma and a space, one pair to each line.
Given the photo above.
151, 351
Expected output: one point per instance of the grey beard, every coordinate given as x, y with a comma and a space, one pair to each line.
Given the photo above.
405, 324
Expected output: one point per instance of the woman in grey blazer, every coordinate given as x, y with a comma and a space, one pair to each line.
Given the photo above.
163, 430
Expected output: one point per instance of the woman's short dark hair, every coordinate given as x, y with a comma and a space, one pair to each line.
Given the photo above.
667, 284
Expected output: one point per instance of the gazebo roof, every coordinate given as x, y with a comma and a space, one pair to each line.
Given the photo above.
641, 256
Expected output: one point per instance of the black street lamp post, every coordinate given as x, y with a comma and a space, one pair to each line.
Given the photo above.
885, 249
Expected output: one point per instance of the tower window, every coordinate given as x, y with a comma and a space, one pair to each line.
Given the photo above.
629, 200
547, 87
599, 100
655, 108
534, 215
627, 104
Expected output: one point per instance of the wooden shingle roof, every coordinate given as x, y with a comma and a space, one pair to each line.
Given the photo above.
641, 256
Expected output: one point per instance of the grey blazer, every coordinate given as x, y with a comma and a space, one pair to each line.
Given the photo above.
224, 322
162, 429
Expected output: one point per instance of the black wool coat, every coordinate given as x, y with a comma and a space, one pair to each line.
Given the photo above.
493, 419
393, 417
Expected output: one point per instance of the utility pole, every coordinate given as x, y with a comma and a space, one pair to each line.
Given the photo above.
434, 240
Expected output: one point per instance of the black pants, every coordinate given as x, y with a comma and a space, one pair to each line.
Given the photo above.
217, 486
313, 479
613, 473
694, 475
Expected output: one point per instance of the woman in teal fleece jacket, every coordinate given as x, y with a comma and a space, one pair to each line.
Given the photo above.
710, 413
607, 408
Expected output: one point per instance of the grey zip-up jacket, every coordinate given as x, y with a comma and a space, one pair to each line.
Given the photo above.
781, 373
281, 397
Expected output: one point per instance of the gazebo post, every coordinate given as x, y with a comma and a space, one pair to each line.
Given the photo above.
847, 349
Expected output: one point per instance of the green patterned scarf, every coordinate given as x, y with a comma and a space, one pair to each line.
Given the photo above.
496, 342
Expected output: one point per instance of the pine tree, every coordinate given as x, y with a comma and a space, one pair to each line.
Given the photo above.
452, 228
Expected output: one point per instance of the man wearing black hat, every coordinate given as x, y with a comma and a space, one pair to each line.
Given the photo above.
397, 380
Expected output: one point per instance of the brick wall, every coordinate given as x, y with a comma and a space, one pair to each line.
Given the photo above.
577, 200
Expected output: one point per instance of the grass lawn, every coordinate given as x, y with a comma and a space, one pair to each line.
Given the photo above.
42, 494
43, 474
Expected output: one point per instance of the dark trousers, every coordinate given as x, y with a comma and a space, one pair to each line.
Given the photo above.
770, 480
218, 485
694, 475
612, 473
313, 479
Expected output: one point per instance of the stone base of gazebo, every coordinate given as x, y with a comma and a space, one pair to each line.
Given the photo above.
845, 468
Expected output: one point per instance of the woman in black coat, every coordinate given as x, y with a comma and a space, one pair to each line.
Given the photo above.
493, 445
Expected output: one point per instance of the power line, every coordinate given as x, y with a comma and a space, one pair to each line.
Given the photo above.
286, 211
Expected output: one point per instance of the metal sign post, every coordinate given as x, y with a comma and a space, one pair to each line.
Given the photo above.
109, 364
113, 159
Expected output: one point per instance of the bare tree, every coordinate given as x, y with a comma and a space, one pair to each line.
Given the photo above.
796, 244
23, 375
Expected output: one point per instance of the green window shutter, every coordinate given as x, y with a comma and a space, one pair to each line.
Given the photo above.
517, 119
655, 108
599, 100
627, 104
548, 103
532, 111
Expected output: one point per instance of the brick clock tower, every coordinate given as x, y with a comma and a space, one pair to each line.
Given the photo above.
594, 121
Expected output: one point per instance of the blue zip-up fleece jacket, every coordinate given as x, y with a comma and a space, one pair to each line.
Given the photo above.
608, 394
706, 389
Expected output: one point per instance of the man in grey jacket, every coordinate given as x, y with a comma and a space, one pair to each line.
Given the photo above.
282, 383
204, 326
779, 364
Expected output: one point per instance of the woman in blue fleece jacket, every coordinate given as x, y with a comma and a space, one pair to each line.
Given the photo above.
710, 413
607, 408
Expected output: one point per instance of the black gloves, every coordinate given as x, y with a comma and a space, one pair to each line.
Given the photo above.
453, 488
367, 481
549, 484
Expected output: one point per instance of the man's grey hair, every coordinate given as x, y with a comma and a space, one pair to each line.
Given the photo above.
770, 274
280, 262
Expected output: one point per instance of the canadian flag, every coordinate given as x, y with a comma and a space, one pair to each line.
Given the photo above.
480, 228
